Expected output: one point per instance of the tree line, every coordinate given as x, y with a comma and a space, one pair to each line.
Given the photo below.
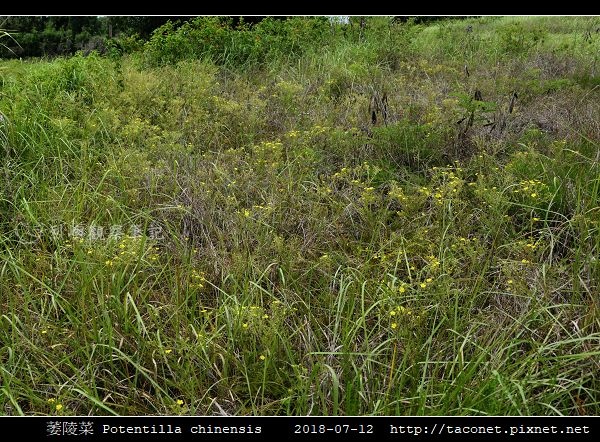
39, 36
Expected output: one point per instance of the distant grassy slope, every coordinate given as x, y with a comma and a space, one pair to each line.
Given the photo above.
200, 236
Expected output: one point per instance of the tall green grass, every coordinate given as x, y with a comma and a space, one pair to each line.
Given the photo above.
265, 250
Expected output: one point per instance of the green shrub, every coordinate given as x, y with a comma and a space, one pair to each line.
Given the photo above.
518, 38
215, 38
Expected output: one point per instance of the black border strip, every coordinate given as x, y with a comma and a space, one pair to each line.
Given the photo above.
172, 8
219, 428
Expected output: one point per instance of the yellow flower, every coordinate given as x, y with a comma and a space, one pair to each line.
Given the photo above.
246, 213
262, 357
167, 351
394, 325
51, 400
265, 316
179, 402
525, 261
429, 279
59, 407
423, 285
510, 281
245, 325
393, 313
533, 195
401, 289
535, 219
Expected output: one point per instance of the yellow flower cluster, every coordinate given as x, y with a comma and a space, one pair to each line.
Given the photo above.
434, 263
317, 129
402, 315
423, 284
198, 279
450, 185
533, 189
268, 153
251, 315
129, 247
57, 406
361, 174
401, 310
396, 193
306, 134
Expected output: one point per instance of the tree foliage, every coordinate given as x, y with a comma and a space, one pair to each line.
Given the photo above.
59, 35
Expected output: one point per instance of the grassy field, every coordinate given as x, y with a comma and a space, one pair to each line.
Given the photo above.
396, 219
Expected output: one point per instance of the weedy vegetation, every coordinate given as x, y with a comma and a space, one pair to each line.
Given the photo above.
305, 218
